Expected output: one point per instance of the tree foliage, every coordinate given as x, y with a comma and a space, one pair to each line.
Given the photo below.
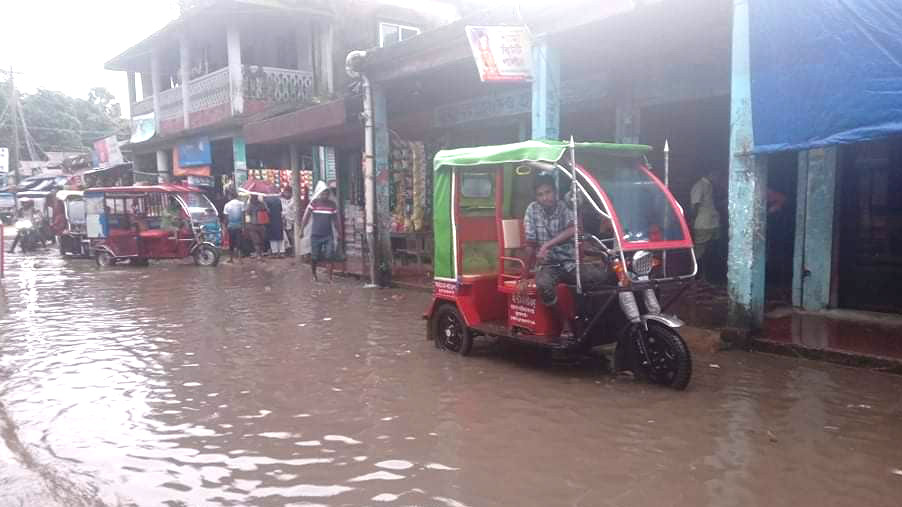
58, 122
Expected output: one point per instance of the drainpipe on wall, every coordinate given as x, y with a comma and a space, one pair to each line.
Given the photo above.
352, 65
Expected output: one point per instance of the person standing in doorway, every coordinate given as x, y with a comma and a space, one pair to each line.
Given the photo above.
705, 222
234, 212
255, 219
323, 212
275, 229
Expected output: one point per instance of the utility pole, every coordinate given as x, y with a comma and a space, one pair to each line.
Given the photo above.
14, 122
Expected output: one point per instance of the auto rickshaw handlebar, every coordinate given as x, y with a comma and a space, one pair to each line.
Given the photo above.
600, 242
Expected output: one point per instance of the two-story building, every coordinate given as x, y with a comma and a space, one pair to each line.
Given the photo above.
195, 84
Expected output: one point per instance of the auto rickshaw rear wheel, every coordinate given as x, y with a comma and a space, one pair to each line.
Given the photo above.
206, 256
104, 259
450, 330
142, 262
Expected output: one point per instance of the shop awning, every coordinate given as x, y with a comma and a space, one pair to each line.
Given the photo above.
824, 72
309, 124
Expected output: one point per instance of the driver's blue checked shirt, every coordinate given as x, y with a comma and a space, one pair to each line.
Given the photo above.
541, 226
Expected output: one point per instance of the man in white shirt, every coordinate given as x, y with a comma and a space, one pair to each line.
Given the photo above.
234, 212
289, 214
705, 221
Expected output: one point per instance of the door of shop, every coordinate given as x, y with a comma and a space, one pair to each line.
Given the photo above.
870, 263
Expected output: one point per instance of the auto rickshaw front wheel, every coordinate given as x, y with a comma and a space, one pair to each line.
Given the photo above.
206, 256
671, 360
450, 330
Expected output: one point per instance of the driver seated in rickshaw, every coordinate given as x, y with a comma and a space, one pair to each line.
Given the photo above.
549, 228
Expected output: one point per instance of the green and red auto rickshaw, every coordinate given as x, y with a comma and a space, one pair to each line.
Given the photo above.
628, 225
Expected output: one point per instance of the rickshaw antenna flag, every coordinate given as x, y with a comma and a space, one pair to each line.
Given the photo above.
573, 192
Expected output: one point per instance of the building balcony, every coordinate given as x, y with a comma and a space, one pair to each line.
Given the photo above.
210, 102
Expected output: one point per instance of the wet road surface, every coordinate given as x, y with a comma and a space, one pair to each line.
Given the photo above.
176, 385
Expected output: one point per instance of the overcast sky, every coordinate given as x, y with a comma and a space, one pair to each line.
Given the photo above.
62, 44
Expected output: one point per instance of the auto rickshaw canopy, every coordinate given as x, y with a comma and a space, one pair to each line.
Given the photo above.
528, 151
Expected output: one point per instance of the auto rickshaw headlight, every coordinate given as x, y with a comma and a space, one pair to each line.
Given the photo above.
643, 263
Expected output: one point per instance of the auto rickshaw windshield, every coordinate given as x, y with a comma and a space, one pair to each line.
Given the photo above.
199, 206
643, 209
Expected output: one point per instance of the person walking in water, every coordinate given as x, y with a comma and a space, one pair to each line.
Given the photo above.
323, 212
234, 211
256, 216
274, 229
289, 216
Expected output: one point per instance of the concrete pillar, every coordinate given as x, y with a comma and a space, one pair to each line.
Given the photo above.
815, 206
546, 85
748, 242
381, 149
185, 72
164, 166
294, 162
303, 43
132, 91
326, 46
747, 196
155, 77
236, 75
146, 85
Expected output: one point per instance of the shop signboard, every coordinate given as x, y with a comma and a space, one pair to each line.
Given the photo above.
143, 128
502, 53
4, 160
107, 153
180, 171
196, 152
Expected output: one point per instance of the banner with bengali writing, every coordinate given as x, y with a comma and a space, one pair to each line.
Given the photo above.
502, 53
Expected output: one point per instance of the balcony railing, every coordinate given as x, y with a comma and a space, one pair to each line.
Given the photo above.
271, 84
208, 93
170, 104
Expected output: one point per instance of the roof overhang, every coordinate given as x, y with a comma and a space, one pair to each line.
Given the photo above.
305, 125
448, 44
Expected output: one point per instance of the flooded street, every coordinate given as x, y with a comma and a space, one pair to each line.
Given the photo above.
176, 385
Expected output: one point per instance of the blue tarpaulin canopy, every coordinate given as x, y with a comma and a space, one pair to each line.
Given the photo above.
825, 72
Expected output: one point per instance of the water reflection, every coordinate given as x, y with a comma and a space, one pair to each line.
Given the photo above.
251, 385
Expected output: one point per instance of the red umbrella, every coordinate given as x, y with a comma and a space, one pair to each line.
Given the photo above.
259, 187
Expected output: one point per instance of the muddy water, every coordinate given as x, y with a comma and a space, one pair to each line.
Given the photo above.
175, 385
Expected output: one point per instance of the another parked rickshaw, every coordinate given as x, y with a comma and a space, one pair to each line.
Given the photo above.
151, 222
627, 223
69, 221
